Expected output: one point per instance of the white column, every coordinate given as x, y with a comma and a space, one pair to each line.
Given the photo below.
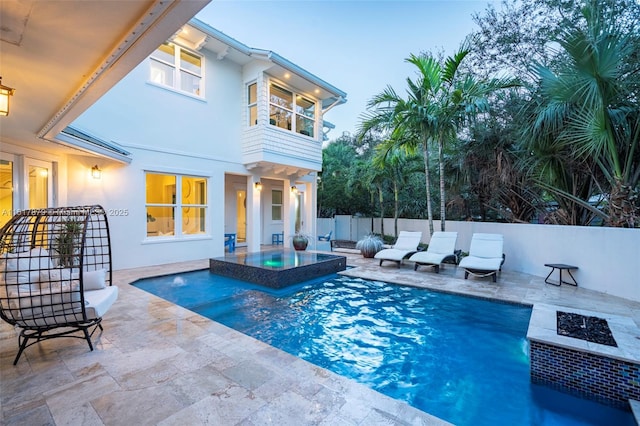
311, 208
254, 208
289, 211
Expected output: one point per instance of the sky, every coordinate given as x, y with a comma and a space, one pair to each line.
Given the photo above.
359, 47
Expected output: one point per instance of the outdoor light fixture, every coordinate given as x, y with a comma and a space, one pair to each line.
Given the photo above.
294, 189
96, 173
258, 186
5, 93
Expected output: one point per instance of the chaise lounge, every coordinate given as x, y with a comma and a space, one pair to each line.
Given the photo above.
405, 246
485, 256
441, 247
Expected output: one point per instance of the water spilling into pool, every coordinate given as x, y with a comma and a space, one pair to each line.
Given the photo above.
461, 359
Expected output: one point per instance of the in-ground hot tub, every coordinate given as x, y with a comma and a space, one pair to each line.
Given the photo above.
277, 268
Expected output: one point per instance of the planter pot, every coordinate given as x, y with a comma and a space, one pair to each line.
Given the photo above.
368, 253
300, 243
369, 245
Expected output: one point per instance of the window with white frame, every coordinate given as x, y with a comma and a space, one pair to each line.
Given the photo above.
291, 111
175, 205
178, 68
252, 101
276, 204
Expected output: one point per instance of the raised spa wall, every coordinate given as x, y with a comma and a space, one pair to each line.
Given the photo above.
234, 267
606, 374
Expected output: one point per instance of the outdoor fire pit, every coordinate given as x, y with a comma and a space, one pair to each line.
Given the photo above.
591, 329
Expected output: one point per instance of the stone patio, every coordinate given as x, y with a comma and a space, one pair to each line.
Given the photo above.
157, 363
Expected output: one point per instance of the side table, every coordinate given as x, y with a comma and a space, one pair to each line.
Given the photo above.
561, 267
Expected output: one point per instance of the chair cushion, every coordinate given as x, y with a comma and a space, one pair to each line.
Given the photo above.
481, 263
443, 243
24, 267
45, 299
429, 258
94, 280
392, 254
486, 246
98, 302
408, 241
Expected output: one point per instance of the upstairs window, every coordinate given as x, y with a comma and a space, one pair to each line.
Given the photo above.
252, 100
291, 111
178, 68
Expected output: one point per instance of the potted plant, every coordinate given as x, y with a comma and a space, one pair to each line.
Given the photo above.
300, 241
369, 245
67, 242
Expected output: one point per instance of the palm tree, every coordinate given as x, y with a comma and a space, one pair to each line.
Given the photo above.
397, 164
439, 102
589, 108
370, 179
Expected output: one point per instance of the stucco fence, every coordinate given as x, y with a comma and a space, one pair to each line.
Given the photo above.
608, 258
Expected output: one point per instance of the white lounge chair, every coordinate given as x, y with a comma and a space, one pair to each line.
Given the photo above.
441, 246
405, 246
485, 256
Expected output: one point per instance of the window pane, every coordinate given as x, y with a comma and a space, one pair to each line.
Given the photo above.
276, 197
6, 191
304, 125
305, 107
279, 117
281, 97
161, 189
253, 93
201, 191
161, 73
193, 220
190, 83
165, 52
160, 221
38, 187
276, 212
194, 190
253, 115
190, 62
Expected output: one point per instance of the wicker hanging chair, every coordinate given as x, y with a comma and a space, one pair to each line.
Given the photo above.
55, 273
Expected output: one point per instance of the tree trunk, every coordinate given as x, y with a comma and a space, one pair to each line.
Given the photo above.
396, 197
425, 152
380, 200
623, 212
443, 203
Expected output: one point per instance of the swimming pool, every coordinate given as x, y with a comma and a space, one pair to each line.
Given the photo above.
462, 359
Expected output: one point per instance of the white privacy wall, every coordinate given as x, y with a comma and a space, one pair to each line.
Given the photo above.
608, 258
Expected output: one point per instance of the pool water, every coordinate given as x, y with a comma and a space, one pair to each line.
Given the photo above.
462, 359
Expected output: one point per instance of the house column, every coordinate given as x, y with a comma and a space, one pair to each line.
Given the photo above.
254, 207
311, 209
289, 206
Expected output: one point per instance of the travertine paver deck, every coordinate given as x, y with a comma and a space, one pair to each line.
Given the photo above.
157, 363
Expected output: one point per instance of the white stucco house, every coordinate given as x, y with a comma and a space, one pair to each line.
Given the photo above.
197, 136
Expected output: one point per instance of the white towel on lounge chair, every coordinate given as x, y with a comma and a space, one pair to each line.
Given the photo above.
406, 244
485, 256
441, 246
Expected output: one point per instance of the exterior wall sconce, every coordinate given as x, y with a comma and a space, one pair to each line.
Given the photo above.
96, 173
258, 186
5, 93
294, 189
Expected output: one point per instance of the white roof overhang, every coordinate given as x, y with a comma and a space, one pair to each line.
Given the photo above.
61, 56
